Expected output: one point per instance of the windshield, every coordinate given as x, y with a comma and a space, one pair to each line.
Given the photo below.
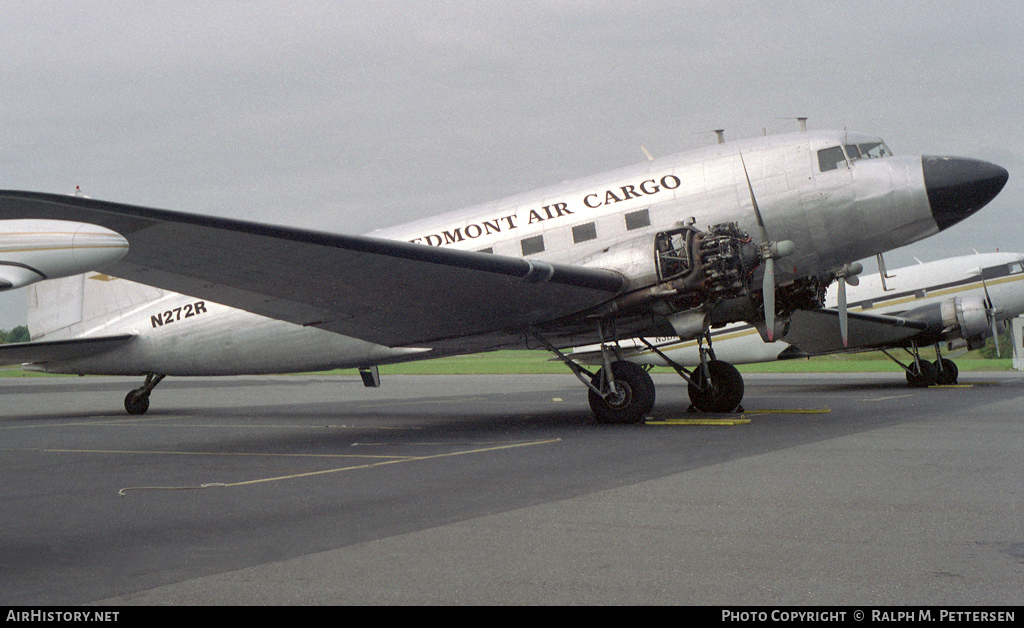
867, 150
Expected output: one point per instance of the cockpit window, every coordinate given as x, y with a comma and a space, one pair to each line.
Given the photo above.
831, 158
868, 150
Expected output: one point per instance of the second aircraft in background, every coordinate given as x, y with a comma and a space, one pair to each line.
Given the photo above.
952, 303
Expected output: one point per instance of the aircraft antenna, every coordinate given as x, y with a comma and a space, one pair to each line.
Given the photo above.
721, 135
649, 156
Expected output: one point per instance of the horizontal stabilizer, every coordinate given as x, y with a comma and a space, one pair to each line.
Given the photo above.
59, 350
817, 331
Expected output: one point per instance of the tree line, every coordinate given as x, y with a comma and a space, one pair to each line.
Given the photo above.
18, 334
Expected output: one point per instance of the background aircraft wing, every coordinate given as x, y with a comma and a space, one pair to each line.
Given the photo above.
384, 291
47, 350
817, 331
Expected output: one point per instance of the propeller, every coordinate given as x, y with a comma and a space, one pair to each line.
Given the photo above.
770, 251
990, 310
846, 275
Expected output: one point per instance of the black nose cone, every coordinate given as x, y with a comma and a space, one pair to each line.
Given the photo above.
958, 187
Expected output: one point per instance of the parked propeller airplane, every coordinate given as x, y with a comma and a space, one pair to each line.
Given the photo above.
956, 302
656, 249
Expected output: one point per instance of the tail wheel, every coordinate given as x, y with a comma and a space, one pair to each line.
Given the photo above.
136, 402
921, 375
633, 398
723, 394
947, 373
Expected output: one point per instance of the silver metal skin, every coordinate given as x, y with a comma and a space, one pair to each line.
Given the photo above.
317, 301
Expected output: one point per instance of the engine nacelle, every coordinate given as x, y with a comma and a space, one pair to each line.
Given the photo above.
969, 316
684, 269
34, 250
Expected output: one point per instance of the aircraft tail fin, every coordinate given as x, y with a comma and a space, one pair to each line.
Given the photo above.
83, 305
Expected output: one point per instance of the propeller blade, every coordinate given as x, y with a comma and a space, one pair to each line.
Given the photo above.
990, 309
844, 323
768, 289
753, 201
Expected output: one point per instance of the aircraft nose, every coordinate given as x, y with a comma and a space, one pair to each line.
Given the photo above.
957, 187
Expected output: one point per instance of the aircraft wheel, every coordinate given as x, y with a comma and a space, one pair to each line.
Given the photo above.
136, 403
635, 398
947, 374
921, 378
725, 392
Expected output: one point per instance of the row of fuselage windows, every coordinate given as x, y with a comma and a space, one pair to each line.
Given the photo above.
581, 233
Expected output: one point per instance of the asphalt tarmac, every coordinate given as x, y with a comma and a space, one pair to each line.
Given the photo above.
829, 489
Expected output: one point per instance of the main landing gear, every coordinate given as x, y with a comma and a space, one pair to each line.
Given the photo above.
922, 373
714, 385
137, 401
623, 392
620, 391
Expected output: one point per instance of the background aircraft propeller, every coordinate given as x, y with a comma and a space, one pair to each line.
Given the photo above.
990, 310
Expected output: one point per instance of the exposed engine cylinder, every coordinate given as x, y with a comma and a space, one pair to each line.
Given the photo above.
727, 258
691, 268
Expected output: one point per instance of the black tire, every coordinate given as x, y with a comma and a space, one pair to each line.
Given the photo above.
948, 374
636, 395
725, 392
136, 403
923, 377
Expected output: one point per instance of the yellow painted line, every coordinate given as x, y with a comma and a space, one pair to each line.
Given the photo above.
790, 411
103, 421
890, 397
738, 421
434, 444
152, 423
951, 386
371, 465
157, 452
416, 402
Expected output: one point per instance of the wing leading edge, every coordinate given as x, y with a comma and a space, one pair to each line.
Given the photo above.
388, 292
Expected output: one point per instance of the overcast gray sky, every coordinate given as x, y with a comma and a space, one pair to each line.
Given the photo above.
348, 116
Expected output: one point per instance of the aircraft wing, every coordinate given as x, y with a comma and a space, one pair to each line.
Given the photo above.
384, 291
47, 350
817, 331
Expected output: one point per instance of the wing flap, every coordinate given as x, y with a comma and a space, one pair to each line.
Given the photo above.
388, 292
817, 331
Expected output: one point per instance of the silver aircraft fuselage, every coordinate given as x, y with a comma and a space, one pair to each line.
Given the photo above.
835, 206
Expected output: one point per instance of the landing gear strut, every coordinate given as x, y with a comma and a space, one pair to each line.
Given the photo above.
922, 373
714, 386
724, 391
620, 392
631, 399
945, 370
137, 401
